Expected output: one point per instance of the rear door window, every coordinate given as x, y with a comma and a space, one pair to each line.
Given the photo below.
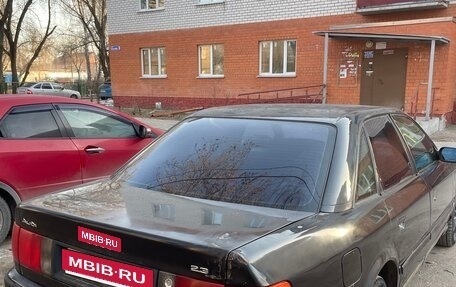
389, 153
33, 122
277, 164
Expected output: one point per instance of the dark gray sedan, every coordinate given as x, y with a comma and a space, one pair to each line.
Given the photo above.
255, 195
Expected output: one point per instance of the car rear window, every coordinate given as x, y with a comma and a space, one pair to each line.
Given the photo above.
270, 163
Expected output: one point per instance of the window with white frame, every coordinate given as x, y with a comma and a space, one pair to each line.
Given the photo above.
210, 60
278, 57
153, 62
152, 4
210, 1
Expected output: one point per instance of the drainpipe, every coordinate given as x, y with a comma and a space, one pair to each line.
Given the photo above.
430, 81
325, 69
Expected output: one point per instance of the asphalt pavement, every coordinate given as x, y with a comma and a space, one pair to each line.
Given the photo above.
6, 260
163, 124
447, 137
439, 269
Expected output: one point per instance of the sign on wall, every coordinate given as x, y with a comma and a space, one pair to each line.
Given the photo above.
348, 72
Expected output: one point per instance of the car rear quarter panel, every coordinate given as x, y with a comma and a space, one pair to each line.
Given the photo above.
311, 251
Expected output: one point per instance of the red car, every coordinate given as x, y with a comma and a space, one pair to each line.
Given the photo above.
49, 143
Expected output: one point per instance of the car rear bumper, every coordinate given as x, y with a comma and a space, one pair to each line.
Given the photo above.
14, 279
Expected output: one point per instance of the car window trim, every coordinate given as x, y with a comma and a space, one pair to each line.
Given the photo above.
378, 185
363, 130
411, 160
29, 108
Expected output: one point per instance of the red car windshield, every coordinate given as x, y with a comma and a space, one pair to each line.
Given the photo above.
270, 163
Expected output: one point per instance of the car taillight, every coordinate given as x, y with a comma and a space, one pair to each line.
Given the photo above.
281, 284
29, 92
31, 250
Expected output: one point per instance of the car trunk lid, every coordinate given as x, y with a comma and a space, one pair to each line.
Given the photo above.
161, 232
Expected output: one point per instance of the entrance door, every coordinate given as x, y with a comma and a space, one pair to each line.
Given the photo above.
383, 77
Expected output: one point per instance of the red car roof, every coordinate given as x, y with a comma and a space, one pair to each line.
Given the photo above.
9, 100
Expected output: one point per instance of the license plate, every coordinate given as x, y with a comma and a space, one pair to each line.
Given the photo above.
105, 271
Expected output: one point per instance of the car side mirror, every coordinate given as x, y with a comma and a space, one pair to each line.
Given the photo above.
145, 132
448, 154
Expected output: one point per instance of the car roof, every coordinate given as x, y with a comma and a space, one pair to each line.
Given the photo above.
8, 100
27, 84
320, 112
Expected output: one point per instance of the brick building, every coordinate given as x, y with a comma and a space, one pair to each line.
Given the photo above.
200, 53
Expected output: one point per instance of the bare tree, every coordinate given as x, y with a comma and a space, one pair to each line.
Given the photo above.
93, 16
12, 28
71, 52
219, 170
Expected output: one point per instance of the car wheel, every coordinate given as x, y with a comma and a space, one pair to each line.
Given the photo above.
73, 96
5, 219
379, 282
448, 237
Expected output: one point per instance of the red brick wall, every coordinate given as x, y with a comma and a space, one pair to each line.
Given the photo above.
241, 45
182, 88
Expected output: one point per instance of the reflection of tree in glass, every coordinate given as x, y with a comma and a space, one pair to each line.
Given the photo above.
224, 172
98, 199
208, 172
218, 55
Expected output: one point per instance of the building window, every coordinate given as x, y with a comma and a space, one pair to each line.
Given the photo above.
153, 62
202, 2
212, 217
210, 60
152, 4
278, 58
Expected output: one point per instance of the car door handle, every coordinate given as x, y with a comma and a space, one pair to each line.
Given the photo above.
94, 149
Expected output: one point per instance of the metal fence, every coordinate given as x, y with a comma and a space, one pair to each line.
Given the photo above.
86, 89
